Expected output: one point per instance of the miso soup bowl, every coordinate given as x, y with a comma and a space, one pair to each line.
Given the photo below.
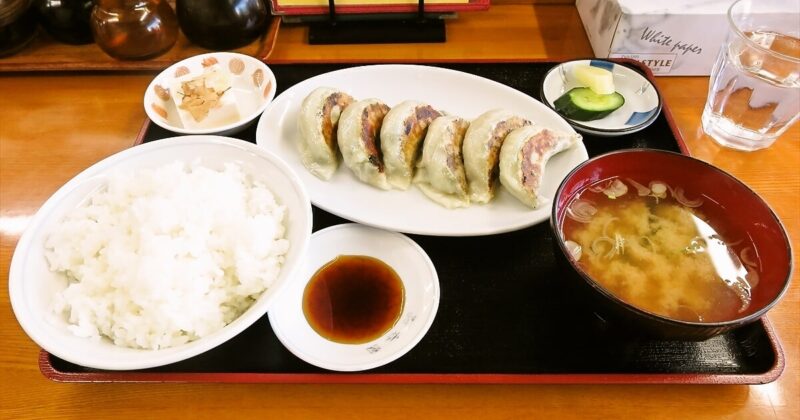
734, 202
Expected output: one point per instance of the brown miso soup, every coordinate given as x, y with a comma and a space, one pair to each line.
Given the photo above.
353, 299
651, 245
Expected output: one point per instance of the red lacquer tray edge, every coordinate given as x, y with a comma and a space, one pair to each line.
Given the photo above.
770, 375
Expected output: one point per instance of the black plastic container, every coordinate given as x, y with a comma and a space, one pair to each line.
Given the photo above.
18, 25
222, 24
67, 20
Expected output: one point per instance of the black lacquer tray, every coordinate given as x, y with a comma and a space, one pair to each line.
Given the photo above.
504, 316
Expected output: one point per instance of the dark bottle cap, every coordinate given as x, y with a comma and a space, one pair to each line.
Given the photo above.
67, 20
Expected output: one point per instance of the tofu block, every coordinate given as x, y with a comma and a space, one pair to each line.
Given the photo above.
205, 101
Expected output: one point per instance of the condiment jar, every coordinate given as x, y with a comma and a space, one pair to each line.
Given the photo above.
67, 20
134, 29
222, 24
17, 25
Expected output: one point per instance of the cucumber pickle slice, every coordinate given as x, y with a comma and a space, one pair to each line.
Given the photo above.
582, 104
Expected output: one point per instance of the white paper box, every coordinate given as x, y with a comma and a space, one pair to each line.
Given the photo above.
672, 37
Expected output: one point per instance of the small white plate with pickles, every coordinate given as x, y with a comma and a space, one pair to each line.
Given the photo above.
600, 97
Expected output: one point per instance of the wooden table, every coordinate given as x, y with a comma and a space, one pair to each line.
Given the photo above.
53, 125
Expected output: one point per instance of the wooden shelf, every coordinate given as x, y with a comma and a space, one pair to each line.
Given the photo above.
46, 54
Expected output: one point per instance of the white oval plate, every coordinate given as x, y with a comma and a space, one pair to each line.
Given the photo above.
32, 286
642, 102
411, 211
252, 93
410, 262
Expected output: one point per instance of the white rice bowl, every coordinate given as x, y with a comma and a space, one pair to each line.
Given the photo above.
164, 256
158, 286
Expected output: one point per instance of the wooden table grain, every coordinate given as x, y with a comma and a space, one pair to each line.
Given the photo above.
53, 125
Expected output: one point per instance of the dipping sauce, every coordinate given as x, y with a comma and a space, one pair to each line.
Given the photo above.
662, 249
353, 299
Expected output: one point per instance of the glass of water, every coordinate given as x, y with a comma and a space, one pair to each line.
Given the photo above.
754, 92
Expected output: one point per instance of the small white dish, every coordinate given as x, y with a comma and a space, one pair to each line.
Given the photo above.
252, 84
32, 287
642, 101
410, 262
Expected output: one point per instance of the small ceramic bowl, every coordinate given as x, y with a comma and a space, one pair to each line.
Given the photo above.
419, 279
728, 200
32, 287
642, 101
253, 87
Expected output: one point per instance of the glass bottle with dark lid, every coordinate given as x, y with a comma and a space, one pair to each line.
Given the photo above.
134, 29
18, 25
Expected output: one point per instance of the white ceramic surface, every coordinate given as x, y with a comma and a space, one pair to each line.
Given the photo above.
252, 96
642, 102
411, 211
421, 299
32, 286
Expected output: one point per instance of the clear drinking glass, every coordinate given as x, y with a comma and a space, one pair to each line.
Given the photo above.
754, 92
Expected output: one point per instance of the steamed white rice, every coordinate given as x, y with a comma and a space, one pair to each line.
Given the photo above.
164, 256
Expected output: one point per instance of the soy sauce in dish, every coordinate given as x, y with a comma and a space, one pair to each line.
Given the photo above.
353, 299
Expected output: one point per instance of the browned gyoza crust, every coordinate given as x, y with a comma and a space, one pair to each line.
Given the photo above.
524, 157
440, 172
455, 161
536, 145
341, 100
499, 134
371, 119
415, 128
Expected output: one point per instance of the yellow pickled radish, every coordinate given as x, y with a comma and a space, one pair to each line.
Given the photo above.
600, 81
